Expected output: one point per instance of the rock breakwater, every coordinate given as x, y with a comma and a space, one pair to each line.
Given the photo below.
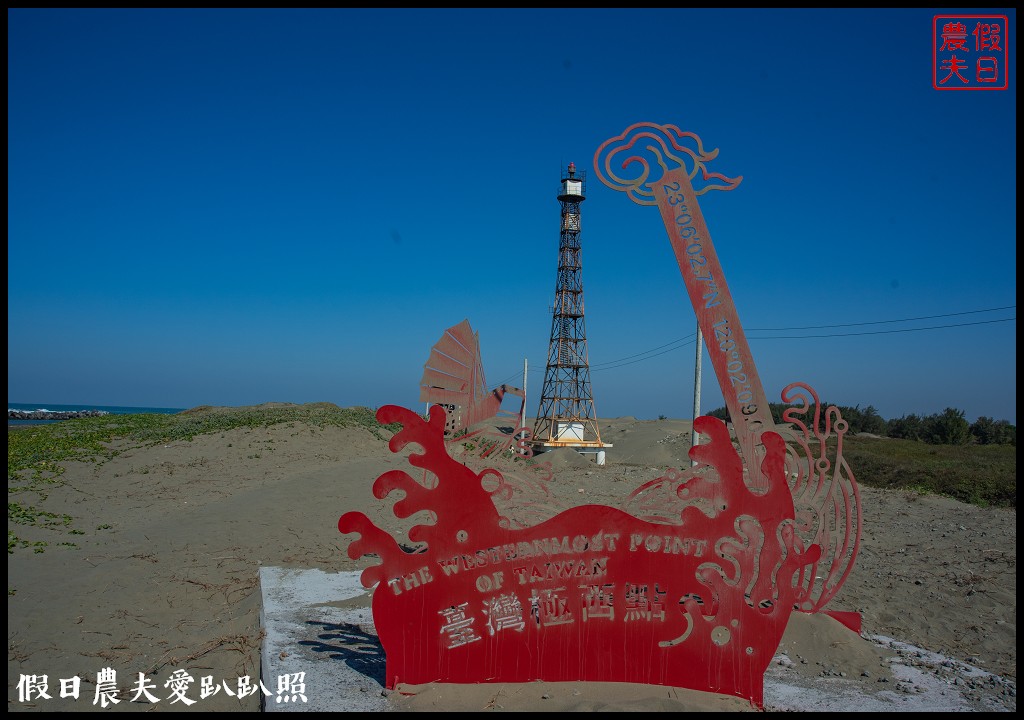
53, 414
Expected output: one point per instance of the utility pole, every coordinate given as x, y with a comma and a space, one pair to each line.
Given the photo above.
694, 437
522, 412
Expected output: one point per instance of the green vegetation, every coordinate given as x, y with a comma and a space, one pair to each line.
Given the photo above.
949, 427
983, 475
13, 541
943, 454
39, 448
977, 466
35, 453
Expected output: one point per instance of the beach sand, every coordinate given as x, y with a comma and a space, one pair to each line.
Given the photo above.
165, 575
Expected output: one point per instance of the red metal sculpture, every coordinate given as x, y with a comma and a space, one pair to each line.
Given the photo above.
592, 594
453, 376
690, 583
823, 487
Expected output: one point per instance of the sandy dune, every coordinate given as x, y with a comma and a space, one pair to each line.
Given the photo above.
165, 575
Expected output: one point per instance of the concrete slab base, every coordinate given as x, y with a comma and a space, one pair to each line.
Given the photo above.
319, 624
320, 631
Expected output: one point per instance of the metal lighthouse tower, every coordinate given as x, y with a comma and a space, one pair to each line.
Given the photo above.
566, 417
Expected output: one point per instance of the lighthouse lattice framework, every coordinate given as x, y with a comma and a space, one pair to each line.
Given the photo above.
566, 416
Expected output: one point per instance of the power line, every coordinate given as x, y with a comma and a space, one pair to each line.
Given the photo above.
612, 364
612, 367
879, 332
629, 357
604, 365
882, 322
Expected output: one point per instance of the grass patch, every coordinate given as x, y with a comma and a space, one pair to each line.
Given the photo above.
30, 515
984, 475
40, 449
36, 454
14, 542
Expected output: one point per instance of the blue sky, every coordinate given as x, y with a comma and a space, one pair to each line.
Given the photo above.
230, 207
